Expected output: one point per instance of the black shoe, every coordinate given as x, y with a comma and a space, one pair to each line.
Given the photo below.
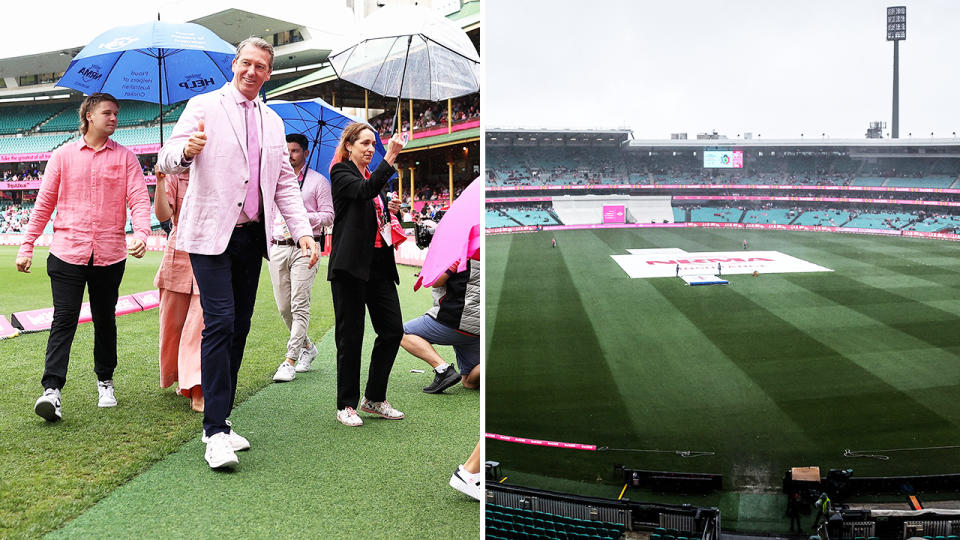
442, 381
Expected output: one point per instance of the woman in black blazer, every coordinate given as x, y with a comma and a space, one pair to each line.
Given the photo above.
362, 272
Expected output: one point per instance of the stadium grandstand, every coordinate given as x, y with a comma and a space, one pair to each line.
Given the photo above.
36, 117
889, 186
630, 371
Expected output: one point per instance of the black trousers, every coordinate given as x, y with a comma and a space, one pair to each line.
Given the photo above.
351, 299
228, 291
67, 283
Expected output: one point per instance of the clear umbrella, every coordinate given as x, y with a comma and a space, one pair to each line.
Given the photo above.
412, 53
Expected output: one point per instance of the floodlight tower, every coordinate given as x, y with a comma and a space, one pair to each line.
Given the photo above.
896, 32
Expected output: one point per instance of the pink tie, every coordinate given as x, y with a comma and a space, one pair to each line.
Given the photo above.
251, 204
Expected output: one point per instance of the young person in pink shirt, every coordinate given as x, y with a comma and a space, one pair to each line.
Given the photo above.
90, 182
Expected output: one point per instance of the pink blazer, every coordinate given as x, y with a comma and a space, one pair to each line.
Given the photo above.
214, 198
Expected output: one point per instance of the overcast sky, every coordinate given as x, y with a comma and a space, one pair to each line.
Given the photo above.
771, 67
33, 27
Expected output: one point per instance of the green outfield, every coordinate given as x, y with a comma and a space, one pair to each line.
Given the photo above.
305, 475
766, 373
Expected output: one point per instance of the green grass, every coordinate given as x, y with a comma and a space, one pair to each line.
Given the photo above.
358, 482
770, 372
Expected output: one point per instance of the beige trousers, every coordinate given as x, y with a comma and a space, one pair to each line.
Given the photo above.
292, 286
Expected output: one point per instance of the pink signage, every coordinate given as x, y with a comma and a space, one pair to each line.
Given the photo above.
6, 329
409, 254
155, 242
41, 319
785, 187
20, 185
613, 213
812, 199
724, 225
538, 442
127, 305
518, 199
34, 320
145, 148
19, 158
443, 129
148, 299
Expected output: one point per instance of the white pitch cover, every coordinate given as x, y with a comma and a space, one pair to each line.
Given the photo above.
653, 263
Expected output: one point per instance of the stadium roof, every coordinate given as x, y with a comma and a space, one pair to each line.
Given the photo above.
233, 25
447, 139
594, 137
557, 137
468, 17
647, 144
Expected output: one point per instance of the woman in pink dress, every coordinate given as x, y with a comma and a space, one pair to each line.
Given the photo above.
181, 317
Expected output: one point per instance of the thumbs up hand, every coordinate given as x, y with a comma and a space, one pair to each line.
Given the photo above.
196, 142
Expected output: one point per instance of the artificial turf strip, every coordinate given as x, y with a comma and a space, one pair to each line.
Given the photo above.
768, 373
307, 475
50, 473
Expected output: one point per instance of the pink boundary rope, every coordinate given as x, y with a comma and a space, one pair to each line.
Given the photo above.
538, 442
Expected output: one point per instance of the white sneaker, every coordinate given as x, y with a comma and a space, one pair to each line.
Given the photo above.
219, 452
466, 482
306, 358
48, 405
237, 442
349, 417
381, 409
285, 373
105, 389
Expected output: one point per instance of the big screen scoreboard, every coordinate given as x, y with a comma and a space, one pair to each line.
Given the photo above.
723, 159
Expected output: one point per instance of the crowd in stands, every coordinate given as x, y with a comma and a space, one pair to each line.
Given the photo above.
862, 217
428, 115
524, 214
29, 173
515, 214
520, 166
14, 218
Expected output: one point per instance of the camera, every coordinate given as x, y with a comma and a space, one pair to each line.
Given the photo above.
424, 229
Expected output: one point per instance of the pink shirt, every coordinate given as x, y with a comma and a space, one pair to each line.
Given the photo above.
176, 273
317, 201
90, 189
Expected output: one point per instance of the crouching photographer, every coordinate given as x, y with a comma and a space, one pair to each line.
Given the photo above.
453, 320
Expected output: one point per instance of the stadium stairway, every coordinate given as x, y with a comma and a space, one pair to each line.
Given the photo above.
554, 216
47, 120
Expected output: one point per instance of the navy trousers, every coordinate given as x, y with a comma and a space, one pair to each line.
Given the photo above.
228, 291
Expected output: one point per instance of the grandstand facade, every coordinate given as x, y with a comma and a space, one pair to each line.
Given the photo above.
551, 178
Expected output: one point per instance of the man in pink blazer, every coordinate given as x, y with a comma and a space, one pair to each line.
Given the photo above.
235, 150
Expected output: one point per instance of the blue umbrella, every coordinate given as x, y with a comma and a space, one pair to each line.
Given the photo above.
322, 125
156, 62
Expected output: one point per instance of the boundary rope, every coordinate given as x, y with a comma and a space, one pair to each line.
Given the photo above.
593, 447
875, 454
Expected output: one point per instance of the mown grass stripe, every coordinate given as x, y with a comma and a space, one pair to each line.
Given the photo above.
544, 359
